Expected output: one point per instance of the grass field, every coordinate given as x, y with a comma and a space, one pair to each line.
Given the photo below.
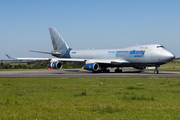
90, 98
170, 64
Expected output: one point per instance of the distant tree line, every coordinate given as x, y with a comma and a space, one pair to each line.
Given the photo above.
39, 64
69, 65
29, 65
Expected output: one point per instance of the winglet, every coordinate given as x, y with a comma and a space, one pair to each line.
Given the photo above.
9, 56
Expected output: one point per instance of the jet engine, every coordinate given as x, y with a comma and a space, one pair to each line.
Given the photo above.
92, 66
55, 65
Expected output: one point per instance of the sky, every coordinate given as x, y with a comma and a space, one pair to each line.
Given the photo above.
87, 24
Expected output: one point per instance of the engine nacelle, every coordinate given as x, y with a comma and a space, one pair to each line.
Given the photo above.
92, 66
55, 65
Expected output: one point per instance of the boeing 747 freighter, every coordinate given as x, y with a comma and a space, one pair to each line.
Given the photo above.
139, 57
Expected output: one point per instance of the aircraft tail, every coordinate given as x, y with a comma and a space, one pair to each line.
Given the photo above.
58, 43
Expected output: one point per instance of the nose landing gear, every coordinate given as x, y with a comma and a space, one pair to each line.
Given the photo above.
156, 70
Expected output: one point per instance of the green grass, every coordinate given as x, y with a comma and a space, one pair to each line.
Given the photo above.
173, 69
170, 64
89, 98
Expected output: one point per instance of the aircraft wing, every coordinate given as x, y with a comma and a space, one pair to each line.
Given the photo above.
104, 61
54, 59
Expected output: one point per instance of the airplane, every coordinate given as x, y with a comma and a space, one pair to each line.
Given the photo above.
99, 60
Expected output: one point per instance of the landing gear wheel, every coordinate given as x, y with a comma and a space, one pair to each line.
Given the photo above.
118, 70
106, 71
156, 72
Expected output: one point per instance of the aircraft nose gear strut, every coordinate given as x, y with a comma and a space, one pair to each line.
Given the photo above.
156, 70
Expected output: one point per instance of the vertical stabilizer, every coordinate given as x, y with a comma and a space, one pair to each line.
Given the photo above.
58, 43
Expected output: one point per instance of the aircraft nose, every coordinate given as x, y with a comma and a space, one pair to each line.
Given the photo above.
166, 56
171, 56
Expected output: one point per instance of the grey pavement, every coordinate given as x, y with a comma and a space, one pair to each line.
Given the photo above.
85, 73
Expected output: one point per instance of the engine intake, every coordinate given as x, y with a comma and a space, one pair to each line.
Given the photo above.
92, 66
55, 65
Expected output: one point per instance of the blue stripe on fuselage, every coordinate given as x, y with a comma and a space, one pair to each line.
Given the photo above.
133, 53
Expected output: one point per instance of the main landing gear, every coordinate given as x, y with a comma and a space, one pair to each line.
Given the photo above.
156, 70
118, 70
104, 70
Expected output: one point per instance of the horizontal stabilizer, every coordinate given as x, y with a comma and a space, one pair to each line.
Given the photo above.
9, 56
52, 53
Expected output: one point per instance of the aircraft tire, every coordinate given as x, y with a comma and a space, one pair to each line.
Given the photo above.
106, 71
156, 72
118, 71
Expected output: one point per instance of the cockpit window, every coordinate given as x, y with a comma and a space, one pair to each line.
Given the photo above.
160, 46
